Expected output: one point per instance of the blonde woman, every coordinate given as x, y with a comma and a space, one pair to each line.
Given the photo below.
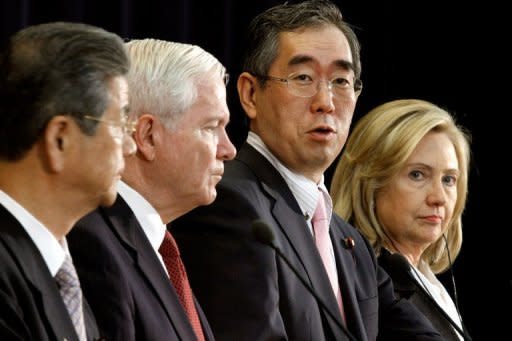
402, 180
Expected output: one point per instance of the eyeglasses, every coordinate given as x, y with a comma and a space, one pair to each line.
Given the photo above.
127, 124
303, 85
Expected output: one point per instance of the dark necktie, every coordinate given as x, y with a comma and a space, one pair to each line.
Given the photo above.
178, 276
323, 243
71, 294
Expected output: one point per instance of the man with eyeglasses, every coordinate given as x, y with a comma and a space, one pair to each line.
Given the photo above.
299, 88
63, 134
132, 272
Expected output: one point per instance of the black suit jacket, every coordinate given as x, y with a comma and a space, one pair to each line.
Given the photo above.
405, 288
124, 281
31, 307
249, 293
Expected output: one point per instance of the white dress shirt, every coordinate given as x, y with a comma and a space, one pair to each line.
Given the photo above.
51, 250
146, 215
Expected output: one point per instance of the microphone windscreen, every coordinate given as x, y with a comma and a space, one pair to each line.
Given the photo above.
262, 232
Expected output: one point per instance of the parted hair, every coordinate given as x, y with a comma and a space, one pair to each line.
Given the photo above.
376, 151
54, 69
164, 77
263, 32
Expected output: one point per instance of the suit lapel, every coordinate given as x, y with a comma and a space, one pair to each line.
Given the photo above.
207, 331
45, 291
129, 231
293, 226
54, 307
91, 326
297, 232
407, 287
346, 266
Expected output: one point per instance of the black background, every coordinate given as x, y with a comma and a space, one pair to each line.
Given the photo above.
450, 53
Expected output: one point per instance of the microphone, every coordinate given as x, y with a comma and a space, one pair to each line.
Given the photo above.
264, 234
403, 269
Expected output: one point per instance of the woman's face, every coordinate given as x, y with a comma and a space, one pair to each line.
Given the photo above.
416, 207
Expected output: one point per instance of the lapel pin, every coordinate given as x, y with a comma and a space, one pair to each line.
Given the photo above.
349, 243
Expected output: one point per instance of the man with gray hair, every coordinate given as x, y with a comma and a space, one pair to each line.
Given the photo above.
63, 132
134, 279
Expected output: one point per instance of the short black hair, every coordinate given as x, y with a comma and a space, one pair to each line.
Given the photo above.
263, 32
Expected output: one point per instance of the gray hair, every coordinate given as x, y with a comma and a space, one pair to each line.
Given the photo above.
55, 69
164, 76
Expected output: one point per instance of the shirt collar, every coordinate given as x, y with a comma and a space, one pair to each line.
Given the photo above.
303, 189
146, 215
51, 250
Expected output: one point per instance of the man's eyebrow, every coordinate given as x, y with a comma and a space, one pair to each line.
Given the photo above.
302, 59
344, 64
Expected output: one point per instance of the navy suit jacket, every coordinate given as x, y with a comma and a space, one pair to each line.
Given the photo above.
124, 281
249, 293
404, 287
31, 307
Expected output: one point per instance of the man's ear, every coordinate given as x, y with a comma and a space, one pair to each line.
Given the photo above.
57, 138
145, 136
246, 86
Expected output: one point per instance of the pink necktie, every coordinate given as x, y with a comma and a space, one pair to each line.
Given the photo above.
323, 243
171, 256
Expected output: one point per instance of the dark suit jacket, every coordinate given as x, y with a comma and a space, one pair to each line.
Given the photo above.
31, 307
124, 281
249, 293
405, 288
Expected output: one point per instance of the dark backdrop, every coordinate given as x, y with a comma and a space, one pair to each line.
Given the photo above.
448, 53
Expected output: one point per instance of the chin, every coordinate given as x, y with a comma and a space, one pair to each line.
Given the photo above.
108, 199
210, 197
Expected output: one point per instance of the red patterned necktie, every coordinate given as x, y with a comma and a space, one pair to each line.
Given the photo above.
324, 246
178, 276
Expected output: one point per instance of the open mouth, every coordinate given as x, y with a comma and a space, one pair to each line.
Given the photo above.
323, 130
